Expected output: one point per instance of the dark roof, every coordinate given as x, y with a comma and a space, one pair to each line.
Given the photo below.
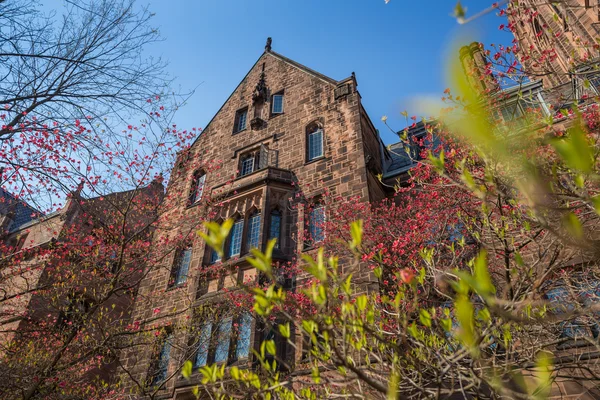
23, 212
400, 159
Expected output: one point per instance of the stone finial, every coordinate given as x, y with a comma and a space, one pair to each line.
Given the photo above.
268, 45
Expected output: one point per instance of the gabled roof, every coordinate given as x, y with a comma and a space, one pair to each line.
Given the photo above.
281, 58
23, 212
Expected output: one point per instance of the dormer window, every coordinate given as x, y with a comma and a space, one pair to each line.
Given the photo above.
277, 104
241, 117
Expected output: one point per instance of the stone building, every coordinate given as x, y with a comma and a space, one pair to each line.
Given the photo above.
287, 141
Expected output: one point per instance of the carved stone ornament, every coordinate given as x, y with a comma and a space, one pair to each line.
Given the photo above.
260, 91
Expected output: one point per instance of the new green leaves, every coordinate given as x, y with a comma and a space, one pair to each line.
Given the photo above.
216, 235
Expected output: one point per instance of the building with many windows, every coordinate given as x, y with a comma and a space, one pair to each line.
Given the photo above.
287, 140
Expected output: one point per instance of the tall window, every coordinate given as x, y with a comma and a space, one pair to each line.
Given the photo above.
242, 349
181, 266
160, 366
241, 117
275, 227
201, 358
197, 187
235, 242
223, 340
277, 104
314, 142
316, 222
253, 233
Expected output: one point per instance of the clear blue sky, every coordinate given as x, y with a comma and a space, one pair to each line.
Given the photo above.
397, 50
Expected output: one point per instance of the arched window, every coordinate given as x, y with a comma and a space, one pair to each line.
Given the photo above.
314, 141
253, 231
197, 186
235, 239
275, 227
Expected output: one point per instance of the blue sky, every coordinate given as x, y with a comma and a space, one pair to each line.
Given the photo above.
397, 50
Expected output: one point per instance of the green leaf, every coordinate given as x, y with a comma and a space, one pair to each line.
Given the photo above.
235, 373
186, 370
574, 150
284, 329
425, 317
482, 275
392, 391
464, 315
216, 235
356, 230
543, 365
573, 225
270, 347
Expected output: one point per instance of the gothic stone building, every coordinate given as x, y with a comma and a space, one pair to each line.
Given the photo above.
287, 139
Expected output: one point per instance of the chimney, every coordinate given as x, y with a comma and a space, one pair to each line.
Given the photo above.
476, 66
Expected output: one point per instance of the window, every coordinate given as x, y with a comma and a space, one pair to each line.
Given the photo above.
316, 222
201, 357
235, 242
565, 298
241, 117
222, 342
248, 164
197, 187
244, 329
214, 256
181, 266
159, 368
314, 142
253, 232
275, 227
526, 108
256, 159
277, 104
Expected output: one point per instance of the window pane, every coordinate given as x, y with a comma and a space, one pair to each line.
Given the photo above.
253, 231
214, 256
241, 120
199, 187
163, 361
183, 266
244, 332
235, 245
223, 339
277, 104
247, 165
203, 345
316, 220
275, 227
315, 145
